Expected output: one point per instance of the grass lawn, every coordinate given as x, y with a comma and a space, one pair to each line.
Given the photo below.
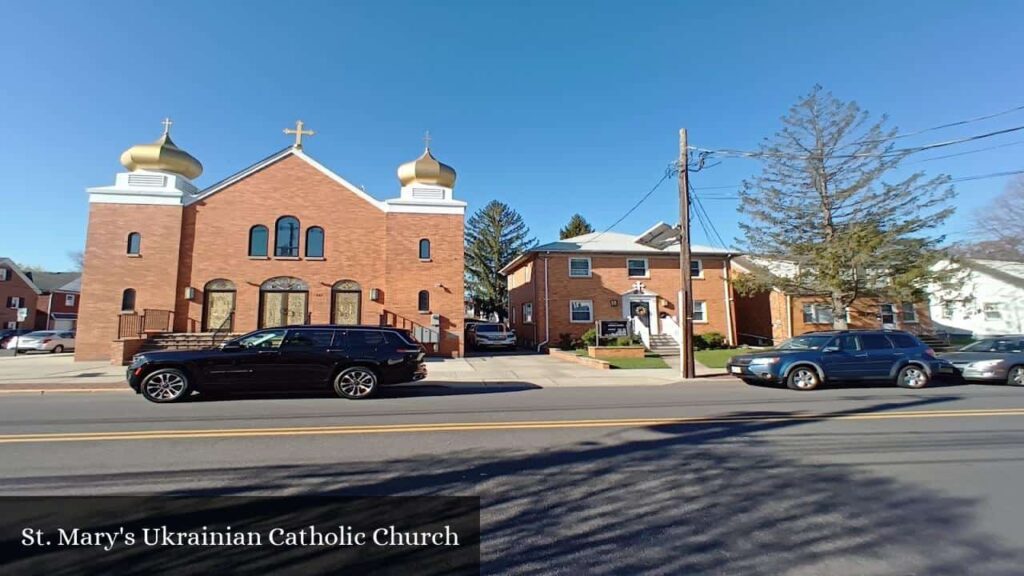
715, 358
649, 361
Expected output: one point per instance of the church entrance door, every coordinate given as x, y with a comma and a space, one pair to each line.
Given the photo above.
218, 305
283, 301
345, 302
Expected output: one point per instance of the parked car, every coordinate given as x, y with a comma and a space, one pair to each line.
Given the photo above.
806, 361
43, 341
491, 335
991, 360
7, 334
353, 361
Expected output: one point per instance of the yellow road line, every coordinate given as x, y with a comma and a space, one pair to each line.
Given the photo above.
485, 426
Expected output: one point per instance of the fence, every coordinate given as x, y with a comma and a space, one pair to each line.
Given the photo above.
135, 325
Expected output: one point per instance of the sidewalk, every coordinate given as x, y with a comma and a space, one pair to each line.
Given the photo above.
59, 372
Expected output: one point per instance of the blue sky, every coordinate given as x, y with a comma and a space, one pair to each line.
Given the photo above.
554, 107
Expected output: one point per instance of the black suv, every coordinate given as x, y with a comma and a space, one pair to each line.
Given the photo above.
354, 361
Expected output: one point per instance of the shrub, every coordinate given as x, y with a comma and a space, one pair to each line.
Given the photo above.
590, 337
566, 341
709, 341
623, 341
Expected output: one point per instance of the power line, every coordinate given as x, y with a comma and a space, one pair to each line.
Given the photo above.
728, 152
668, 172
941, 127
707, 217
1006, 145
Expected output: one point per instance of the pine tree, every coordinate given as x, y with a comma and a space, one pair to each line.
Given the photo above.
577, 226
495, 235
821, 204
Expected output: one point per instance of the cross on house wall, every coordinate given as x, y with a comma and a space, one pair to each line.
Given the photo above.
638, 287
299, 133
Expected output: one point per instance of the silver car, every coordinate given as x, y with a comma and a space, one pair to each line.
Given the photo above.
998, 359
43, 341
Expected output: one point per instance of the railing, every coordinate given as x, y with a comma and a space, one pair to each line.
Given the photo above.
134, 325
423, 334
638, 328
222, 331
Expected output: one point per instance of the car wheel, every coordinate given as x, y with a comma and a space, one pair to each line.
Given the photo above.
165, 385
803, 378
57, 349
912, 377
355, 383
1016, 376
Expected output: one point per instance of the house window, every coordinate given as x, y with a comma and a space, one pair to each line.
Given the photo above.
69, 299
315, 242
12, 325
887, 314
992, 310
696, 269
581, 311
579, 267
4, 274
700, 311
135, 243
424, 249
14, 301
817, 314
528, 313
286, 241
636, 267
128, 300
423, 301
258, 237
909, 314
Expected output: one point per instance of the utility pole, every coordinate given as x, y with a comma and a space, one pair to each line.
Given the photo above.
686, 366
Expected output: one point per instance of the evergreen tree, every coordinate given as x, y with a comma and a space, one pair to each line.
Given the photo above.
577, 226
821, 205
495, 235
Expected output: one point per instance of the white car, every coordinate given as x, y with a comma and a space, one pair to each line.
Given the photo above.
44, 341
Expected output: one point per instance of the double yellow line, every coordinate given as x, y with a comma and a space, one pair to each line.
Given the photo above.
488, 426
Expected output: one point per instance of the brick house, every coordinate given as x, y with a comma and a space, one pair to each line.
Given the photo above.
51, 297
283, 241
564, 287
774, 315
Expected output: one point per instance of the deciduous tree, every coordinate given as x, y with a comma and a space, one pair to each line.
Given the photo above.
997, 226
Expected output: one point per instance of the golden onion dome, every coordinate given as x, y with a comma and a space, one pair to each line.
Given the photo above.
427, 170
162, 156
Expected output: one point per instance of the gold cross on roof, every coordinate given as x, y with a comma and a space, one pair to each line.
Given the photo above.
167, 126
299, 133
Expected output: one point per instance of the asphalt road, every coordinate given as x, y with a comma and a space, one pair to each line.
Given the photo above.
715, 478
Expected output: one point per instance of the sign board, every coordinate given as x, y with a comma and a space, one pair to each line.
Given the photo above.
613, 328
22, 314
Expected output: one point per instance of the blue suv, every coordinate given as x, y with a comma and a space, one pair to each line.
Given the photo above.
804, 362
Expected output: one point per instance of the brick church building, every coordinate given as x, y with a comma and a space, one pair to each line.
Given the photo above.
283, 241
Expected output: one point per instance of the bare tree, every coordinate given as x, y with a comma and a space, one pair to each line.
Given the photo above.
998, 226
77, 257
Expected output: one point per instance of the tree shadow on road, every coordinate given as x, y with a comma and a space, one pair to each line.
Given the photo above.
704, 497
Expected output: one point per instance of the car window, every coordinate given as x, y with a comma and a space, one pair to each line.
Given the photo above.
490, 328
806, 342
847, 343
875, 342
365, 338
265, 340
308, 339
996, 345
904, 340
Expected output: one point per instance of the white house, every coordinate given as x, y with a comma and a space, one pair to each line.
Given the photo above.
990, 300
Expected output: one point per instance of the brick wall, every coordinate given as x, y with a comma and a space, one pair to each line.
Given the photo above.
14, 286
608, 282
108, 270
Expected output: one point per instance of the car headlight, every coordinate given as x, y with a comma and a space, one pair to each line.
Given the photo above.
985, 364
768, 360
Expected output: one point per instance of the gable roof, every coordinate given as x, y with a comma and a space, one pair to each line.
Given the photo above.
50, 281
273, 159
610, 242
1006, 270
10, 265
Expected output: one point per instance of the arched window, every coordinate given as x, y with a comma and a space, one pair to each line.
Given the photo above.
315, 242
128, 300
258, 236
424, 249
135, 243
286, 243
424, 301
